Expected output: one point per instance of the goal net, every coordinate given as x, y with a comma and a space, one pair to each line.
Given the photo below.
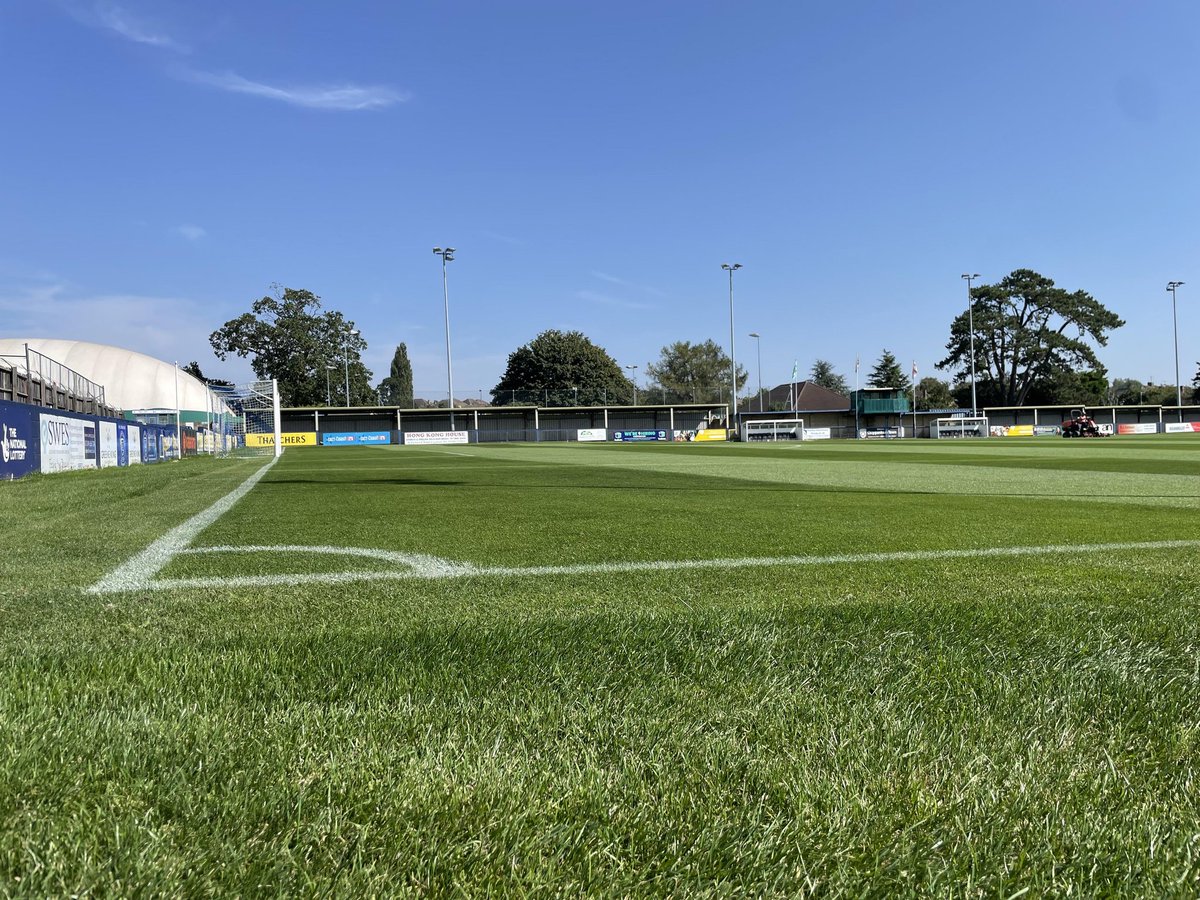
774, 429
248, 423
959, 427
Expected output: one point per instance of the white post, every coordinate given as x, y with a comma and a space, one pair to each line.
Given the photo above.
178, 427
278, 418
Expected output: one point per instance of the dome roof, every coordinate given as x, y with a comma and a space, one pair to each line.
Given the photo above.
131, 380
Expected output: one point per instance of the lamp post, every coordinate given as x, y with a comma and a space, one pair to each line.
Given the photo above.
329, 367
346, 359
971, 326
758, 344
633, 378
1171, 285
447, 255
732, 358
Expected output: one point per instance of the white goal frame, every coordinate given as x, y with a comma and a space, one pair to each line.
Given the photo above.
960, 427
773, 429
250, 424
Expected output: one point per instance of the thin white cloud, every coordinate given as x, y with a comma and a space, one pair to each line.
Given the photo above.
122, 22
167, 328
336, 97
503, 238
621, 282
191, 232
606, 300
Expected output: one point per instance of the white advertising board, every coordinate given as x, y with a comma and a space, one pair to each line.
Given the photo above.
593, 434
108, 444
436, 437
135, 444
1181, 427
1138, 428
817, 434
67, 443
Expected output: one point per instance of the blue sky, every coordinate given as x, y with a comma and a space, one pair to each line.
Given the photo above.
163, 163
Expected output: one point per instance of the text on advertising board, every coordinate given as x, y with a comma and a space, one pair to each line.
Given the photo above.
436, 437
289, 439
639, 435
355, 438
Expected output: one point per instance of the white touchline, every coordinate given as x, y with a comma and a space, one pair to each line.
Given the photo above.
421, 566
138, 572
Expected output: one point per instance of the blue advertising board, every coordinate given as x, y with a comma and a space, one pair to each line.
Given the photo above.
639, 435
355, 438
149, 444
122, 444
18, 440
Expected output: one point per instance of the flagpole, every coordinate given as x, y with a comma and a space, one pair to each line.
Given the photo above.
915, 397
857, 399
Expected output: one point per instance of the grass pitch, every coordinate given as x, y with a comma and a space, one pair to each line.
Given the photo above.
609, 670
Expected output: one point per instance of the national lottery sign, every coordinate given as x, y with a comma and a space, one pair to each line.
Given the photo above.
633, 436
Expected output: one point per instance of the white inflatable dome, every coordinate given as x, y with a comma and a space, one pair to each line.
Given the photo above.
131, 380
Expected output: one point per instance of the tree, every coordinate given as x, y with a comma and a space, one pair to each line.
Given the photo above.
1127, 391
823, 375
193, 369
933, 393
561, 368
286, 338
397, 388
1021, 334
1064, 387
1196, 385
888, 374
692, 373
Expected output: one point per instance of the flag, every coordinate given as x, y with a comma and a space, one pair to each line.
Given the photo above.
857, 362
914, 370
794, 365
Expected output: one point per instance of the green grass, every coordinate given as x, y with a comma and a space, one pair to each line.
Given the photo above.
964, 727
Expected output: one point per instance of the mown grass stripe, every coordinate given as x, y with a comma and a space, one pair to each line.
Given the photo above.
136, 571
421, 566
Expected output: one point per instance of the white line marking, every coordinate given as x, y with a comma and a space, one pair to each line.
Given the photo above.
420, 566
137, 572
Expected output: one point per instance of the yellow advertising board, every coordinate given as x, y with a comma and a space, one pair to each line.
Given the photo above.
711, 434
1020, 431
288, 439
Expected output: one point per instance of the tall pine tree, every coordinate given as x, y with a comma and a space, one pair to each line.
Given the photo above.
888, 374
397, 388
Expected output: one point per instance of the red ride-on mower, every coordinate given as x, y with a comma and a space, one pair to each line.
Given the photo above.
1080, 425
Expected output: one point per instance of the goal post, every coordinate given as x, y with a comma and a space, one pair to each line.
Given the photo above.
960, 427
773, 429
249, 423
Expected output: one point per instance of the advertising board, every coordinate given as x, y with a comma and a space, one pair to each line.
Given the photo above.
108, 444
122, 444
1138, 428
1182, 427
712, 434
1046, 430
135, 444
288, 439
1020, 431
592, 434
150, 445
355, 438
18, 441
67, 443
890, 431
816, 434
636, 436
437, 437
